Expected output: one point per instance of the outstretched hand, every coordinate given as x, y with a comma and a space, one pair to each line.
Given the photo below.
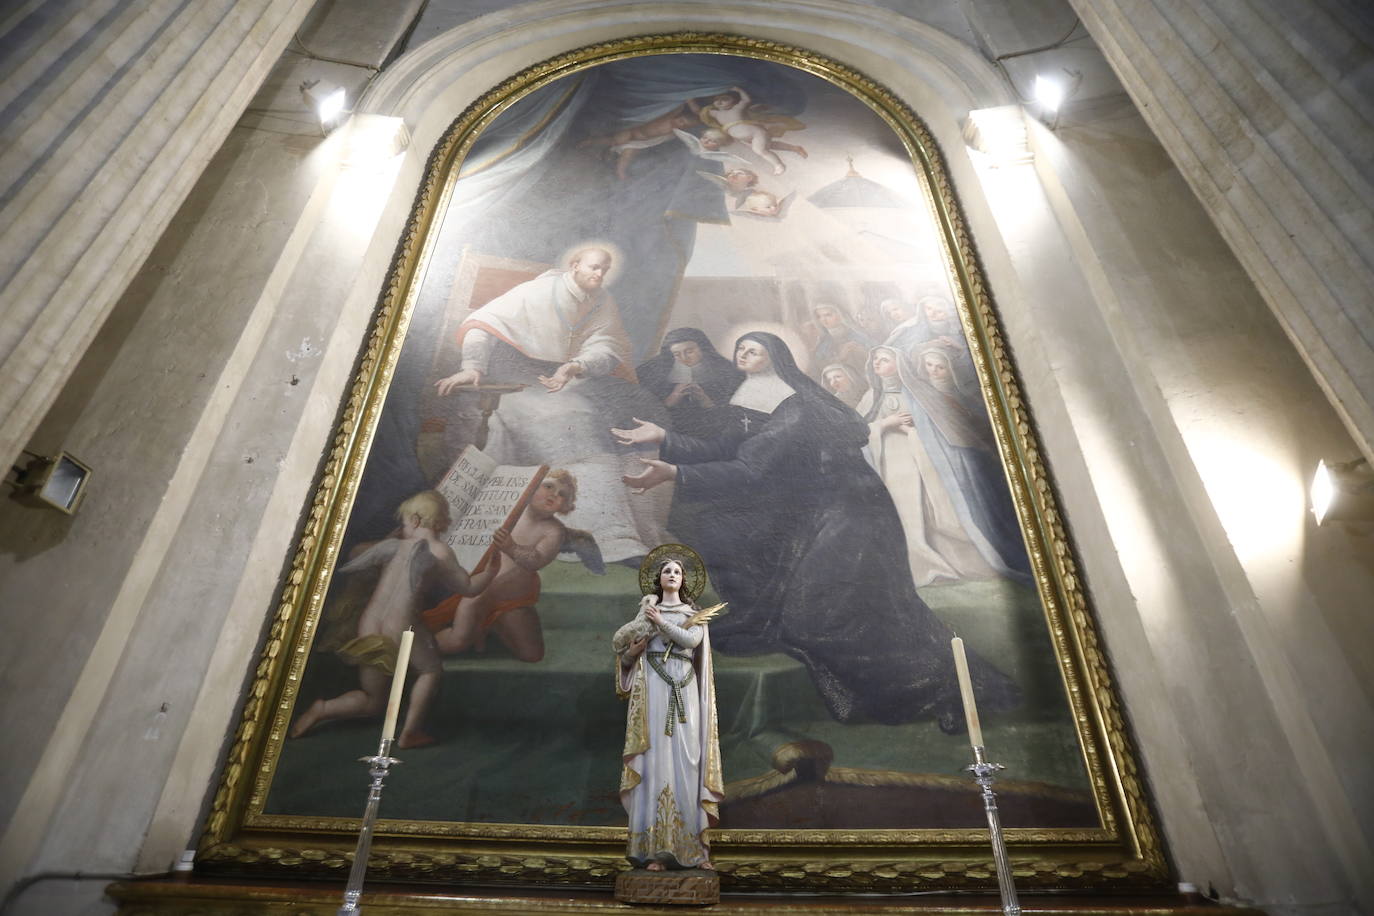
458, 380
644, 433
655, 473
560, 378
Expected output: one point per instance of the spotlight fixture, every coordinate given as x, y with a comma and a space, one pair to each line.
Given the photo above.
1343, 492
56, 482
1049, 92
326, 99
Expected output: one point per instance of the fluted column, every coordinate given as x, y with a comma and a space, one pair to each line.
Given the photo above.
108, 113
1267, 107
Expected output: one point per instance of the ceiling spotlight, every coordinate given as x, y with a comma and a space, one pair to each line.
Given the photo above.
326, 99
1343, 491
331, 106
1049, 92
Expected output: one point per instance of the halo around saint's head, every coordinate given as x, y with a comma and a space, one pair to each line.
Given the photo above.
693, 570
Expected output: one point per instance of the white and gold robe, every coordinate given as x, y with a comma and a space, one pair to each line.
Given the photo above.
671, 785
531, 330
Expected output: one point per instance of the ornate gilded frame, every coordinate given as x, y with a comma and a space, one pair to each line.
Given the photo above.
1125, 852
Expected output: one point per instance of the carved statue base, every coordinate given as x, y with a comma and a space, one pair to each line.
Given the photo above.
685, 887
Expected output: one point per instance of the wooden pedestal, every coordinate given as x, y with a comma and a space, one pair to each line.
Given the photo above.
685, 887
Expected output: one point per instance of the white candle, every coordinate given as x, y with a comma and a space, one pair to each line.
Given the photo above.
398, 685
975, 731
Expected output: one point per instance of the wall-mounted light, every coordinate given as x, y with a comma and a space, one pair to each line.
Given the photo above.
56, 482
326, 100
1049, 92
1343, 492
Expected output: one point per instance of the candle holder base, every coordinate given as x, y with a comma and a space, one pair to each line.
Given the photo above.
984, 773
378, 765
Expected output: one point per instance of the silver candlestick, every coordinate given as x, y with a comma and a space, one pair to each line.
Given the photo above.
983, 773
378, 766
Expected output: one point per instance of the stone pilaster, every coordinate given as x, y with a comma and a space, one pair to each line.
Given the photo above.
1267, 107
110, 112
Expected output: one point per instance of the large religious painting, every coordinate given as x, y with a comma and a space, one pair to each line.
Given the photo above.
714, 292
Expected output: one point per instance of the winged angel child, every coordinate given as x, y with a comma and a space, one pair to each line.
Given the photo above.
734, 115
670, 782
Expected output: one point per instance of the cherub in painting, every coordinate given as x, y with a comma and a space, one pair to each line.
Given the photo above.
506, 606
735, 115
412, 561
741, 185
737, 183
740, 181
627, 143
765, 203
708, 146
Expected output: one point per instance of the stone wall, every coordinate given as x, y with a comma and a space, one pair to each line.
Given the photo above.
111, 113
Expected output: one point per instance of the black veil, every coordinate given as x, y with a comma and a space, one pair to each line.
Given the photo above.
822, 406
723, 377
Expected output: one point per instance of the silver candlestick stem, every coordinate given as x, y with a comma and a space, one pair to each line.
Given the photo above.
983, 773
378, 766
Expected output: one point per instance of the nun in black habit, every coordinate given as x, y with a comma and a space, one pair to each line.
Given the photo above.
802, 539
691, 379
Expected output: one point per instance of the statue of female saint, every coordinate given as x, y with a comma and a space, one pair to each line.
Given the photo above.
670, 781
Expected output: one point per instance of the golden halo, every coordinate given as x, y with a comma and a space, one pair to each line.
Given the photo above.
693, 570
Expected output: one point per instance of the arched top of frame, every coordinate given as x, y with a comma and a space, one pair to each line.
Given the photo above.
929, 70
